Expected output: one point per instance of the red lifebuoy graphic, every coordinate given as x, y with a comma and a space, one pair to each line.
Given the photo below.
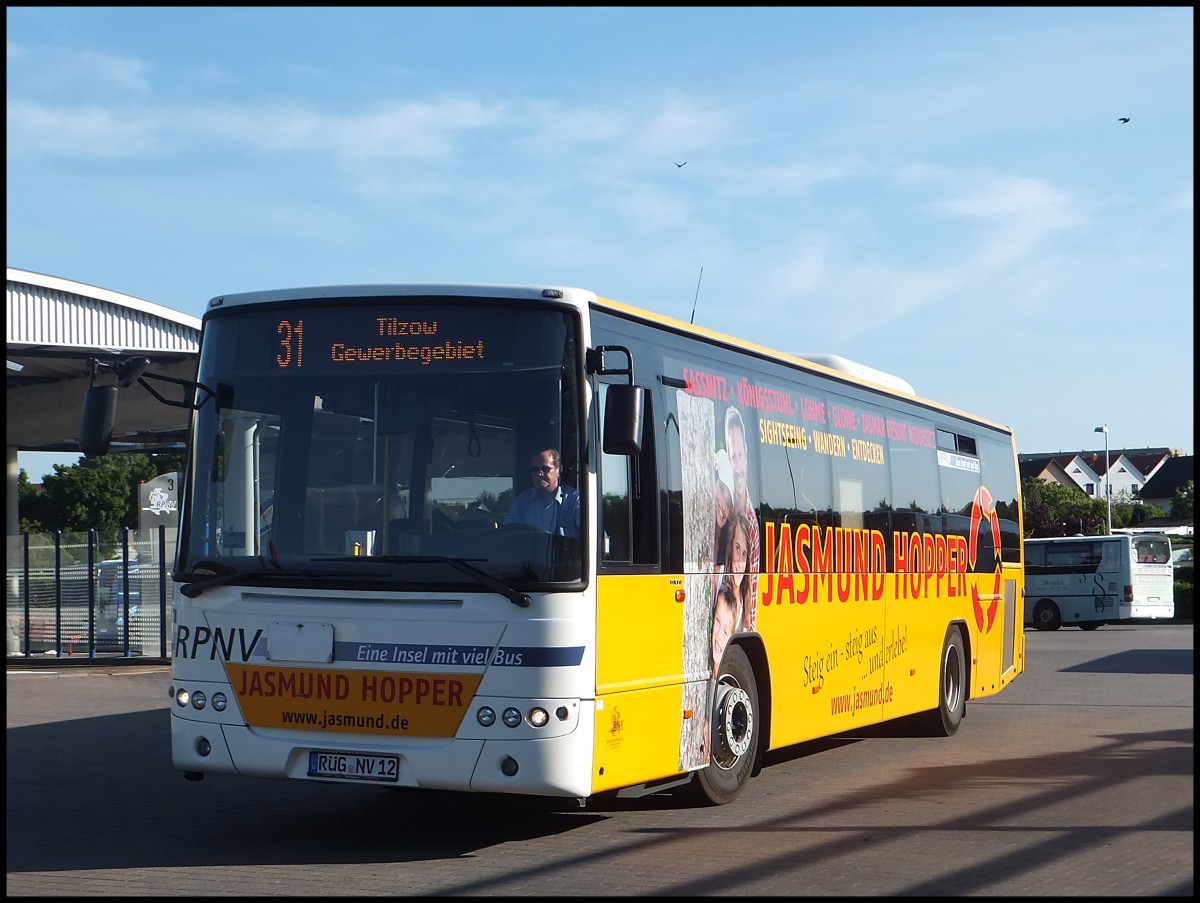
984, 508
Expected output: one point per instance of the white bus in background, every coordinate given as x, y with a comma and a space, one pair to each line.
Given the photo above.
1092, 580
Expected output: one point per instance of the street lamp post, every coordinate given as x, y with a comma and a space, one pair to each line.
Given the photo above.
1107, 475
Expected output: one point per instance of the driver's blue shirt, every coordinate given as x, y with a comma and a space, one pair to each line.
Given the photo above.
560, 515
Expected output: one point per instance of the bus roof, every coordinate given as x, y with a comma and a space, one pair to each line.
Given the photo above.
381, 290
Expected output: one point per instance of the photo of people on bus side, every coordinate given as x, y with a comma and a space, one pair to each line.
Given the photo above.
738, 451
724, 622
735, 576
735, 555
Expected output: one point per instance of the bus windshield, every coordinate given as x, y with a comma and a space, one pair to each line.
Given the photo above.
382, 441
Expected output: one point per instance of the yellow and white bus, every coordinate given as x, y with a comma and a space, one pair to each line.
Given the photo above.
747, 549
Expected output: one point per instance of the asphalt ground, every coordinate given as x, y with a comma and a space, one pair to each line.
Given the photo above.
1077, 780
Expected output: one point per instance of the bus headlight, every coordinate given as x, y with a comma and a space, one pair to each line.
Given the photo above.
199, 700
182, 697
219, 702
512, 716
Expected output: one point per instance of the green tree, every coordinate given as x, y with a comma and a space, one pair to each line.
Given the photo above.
31, 506
1052, 509
1130, 515
1055, 510
1181, 505
99, 492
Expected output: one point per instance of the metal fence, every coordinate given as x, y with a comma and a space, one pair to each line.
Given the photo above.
69, 596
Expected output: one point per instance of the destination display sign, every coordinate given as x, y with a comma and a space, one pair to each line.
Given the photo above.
378, 338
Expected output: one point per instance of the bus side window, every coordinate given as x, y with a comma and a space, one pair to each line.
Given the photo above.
614, 532
614, 508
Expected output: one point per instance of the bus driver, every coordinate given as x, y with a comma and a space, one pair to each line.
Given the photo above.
547, 504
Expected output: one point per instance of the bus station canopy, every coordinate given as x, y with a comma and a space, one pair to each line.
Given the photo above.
55, 327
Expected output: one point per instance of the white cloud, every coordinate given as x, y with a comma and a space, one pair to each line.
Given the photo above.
80, 132
45, 70
1184, 199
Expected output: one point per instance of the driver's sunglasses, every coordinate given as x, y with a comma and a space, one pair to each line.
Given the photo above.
543, 469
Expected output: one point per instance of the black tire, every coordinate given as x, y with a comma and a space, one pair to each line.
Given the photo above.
733, 732
952, 686
1046, 616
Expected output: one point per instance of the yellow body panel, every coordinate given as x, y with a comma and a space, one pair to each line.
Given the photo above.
832, 665
637, 737
640, 712
639, 633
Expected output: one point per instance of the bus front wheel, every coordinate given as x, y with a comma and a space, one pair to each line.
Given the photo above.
1046, 616
733, 733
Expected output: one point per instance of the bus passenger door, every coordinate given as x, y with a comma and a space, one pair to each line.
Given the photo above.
638, 616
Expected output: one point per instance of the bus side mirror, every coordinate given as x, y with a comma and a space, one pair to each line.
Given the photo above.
99, 417
130, 371
624, 408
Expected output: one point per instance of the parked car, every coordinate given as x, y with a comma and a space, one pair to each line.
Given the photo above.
110, 603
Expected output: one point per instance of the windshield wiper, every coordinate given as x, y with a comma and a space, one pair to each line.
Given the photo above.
483, 578
196, 586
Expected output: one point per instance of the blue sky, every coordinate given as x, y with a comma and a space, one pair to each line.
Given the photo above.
944, 194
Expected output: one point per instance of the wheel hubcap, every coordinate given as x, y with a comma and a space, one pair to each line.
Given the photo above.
735, 725
953, 679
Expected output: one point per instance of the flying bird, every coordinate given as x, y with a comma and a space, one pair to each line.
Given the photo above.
1123, 119
681, 165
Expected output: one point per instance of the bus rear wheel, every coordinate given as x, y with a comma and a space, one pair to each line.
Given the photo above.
1046, 616
733, 733
952, 686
